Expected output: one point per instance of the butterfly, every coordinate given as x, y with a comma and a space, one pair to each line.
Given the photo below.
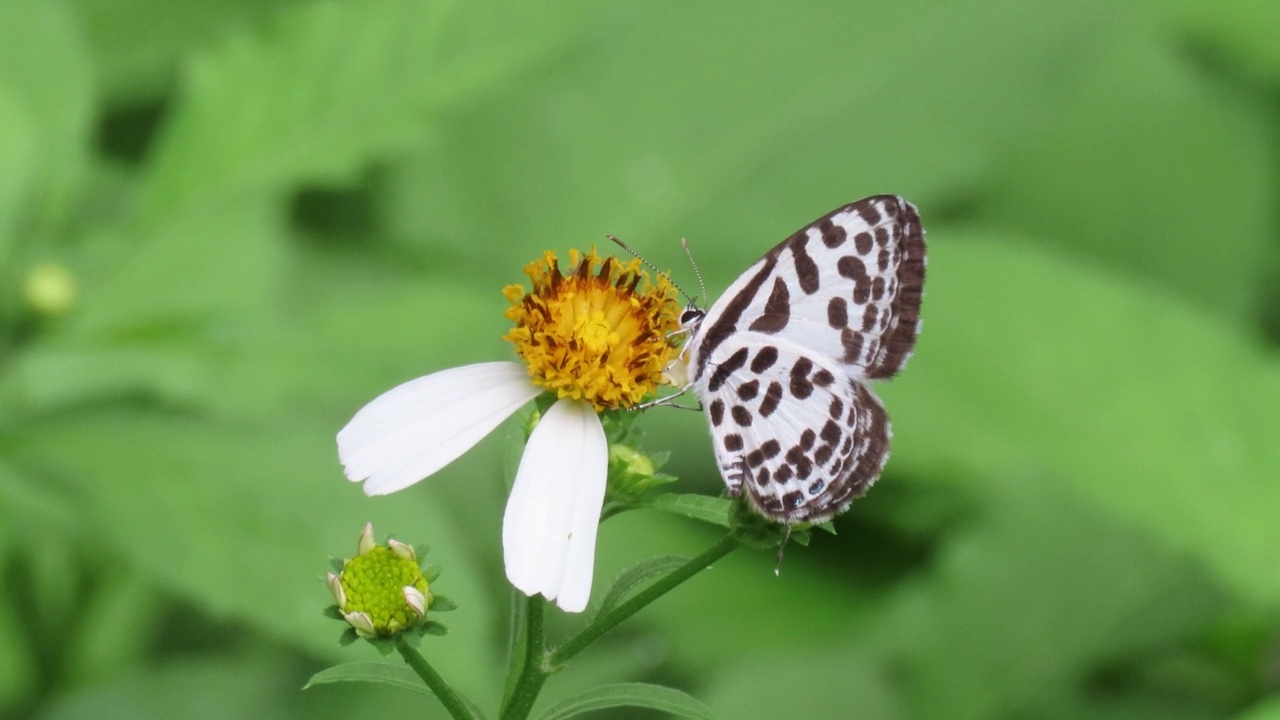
781, 362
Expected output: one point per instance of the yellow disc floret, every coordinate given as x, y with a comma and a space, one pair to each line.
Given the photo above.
600, 332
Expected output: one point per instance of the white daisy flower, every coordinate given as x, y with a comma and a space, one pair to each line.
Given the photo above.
599, 337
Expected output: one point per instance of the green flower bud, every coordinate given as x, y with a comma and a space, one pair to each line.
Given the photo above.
381, 591
633, 473
50, 289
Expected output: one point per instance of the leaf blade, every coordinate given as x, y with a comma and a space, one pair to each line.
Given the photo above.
635, 576
643, 695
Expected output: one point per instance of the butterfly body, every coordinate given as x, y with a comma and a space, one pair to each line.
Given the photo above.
780, 363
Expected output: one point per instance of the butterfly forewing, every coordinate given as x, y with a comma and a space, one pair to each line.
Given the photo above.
780, 361
847, 287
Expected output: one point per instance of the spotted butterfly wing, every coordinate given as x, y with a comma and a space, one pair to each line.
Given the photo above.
780, 361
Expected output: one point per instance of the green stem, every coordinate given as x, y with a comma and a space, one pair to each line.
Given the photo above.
606, 622
451, 700
533, 671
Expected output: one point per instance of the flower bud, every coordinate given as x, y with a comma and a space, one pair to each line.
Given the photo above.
381, 591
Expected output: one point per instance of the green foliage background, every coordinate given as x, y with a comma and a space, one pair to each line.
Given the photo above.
273, 211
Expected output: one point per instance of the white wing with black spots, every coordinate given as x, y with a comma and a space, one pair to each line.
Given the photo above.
847, 286
800, 436
780, 361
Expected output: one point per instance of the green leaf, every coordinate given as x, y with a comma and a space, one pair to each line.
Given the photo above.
61, 372
787, 148
29, 506
440, 603
45, 76
1242, 32
397, 676
1033, 594
431, 572
1268, 709
227, 685
705, 508
653, 697
635, 576
18, 158
329, 87
215, 493
130, 70
1158, 414
865, 690
208, 270
1112, 175
121, 342
19, 663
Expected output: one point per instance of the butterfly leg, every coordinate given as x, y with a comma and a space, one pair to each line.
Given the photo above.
777, 568
668, 401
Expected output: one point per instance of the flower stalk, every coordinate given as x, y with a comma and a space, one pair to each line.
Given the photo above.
451, 700
537, 662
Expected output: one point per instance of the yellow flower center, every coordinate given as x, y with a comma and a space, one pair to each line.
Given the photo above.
600, 332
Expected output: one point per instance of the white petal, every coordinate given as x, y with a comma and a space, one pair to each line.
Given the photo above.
366, 542
414, 429
416, 600
335, 587
549, 531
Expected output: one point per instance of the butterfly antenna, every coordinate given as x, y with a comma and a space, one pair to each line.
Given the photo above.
684, 242
650, 265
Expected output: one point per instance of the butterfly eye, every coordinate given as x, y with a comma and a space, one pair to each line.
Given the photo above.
691, 316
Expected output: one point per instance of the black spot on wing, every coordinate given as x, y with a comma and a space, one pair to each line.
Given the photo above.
731, 365
772, 397
806, 268
777, 309
726, 323
838, 313
764, 359
833, 235
801, 385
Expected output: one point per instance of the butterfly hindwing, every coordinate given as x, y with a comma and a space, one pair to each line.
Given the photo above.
795, 432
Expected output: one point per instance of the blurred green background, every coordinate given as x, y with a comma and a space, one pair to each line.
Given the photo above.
224, 226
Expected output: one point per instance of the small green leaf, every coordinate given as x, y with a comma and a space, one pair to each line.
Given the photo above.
637, 575
654, 697
440, 603
431, 572
434, 628
397, 676
755, 530
348, 636
333, 612
714, 510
